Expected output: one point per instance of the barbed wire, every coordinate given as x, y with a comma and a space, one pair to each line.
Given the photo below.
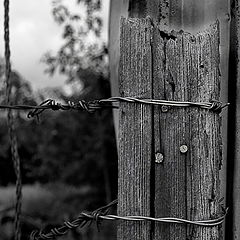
102, 214
83, 219
95, 105
11, 125
213, 105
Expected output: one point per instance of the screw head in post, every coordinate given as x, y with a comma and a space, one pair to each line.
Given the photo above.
164, 108
158, 157
183, 148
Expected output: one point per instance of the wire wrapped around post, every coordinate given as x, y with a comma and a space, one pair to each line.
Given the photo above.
102, 214
11, 126
110, 103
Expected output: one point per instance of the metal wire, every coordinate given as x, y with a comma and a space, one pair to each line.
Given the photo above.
11, 126
212, 105
95, 105
83, 219
102, 214
82, 105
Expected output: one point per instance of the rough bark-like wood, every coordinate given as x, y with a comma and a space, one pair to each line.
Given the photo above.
180, 67
135, 128
188, 15
170, 132
194, 16
186, 68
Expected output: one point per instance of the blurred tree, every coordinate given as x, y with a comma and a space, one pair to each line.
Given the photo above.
22, 93
78, 51
86, 62
68, 148
21, 90
75, 148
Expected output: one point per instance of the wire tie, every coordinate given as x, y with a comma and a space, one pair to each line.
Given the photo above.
55, 106
86, 215
56, 231
33, 234
216, 106
43, 236
84, 222
102, 214
70, 225
96, 217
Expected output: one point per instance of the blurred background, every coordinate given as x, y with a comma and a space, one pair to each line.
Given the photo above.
68, 159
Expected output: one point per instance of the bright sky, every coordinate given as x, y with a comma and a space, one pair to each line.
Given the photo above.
32, 33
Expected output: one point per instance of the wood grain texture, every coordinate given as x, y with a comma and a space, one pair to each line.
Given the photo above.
135, 128
188, 15
186, 68
181, 67
194, 16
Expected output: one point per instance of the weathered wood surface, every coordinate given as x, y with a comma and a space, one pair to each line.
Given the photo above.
194, 16
178, 67
135, 129
234, 124
186, 68
188, 15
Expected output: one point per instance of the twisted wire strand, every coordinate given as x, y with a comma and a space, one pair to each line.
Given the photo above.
95, 105
207, 223
90, 106
11, 126
212, 105
102, 214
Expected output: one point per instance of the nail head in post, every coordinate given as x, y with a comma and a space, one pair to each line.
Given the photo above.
183, 148
164, 108
158, 157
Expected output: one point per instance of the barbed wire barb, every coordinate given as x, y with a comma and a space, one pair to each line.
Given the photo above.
110, 103
102, 214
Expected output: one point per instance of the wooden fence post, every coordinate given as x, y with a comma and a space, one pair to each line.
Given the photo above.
187, 181
191, 16
169, 158
135, 137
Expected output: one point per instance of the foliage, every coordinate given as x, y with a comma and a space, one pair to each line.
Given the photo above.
66, 150
69, 159
77, 53
93, 22
66, 147
20, 88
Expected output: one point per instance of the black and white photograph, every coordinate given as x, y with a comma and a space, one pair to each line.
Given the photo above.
119, 119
